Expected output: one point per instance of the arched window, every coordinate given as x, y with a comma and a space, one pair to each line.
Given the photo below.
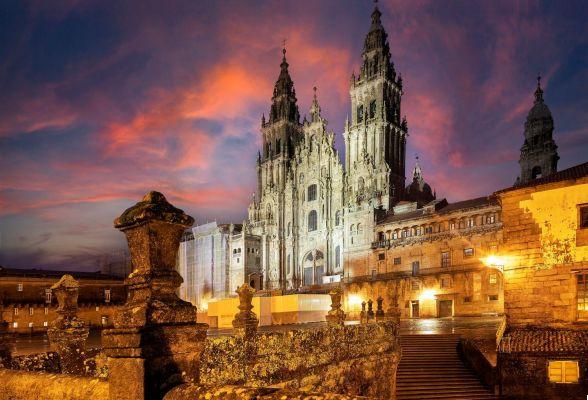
536, 172
381, 236
278, 146
312, 221
352, 229
337, 256
395, 235
359, 228
372, 108
337, 218
289, 232
360, 113
288, 265
312, 192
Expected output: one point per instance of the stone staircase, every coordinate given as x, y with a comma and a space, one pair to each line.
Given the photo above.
430, 368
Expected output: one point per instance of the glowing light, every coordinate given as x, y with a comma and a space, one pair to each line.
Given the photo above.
354, 300
495, 261
428, 294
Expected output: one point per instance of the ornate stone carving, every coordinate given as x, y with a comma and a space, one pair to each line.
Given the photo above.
245, 321
336, 316
370, 311
68, 334
156, 342
380, 310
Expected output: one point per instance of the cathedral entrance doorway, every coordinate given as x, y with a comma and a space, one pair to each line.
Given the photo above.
314, 268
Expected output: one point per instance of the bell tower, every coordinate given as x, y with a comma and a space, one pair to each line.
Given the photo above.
539, 152
375, 135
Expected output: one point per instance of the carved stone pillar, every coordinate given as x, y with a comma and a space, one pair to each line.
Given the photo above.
156, 342
68, 334
380, 309
370, 311
363, 314
245, 322
336, 316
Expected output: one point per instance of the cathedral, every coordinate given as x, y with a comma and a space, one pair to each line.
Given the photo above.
311, 213
318, 217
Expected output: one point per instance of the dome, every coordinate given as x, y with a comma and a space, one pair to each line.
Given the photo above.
539, 109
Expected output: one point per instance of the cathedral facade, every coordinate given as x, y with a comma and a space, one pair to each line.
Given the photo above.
311, 213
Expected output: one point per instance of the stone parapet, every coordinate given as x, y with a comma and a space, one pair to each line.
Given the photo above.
193, 392
328, 359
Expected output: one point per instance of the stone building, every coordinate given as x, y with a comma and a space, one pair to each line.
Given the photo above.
431, 260
203, 262
28, 305
312, 214
544, 351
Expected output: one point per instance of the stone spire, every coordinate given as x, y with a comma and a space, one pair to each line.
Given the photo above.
376, 51
539, 152
315, 108
284, 105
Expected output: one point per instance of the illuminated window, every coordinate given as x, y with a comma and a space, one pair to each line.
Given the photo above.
15, 310
45, 323
15, 325
582, 283
469, 252
584, 216
493, 279
19, 287
30, 324
563, 371
31, 310
311, 192
46, 310
97, 308
48, 296
312, 221
395, 235
490, 219
107, 295
452, 226
445, 259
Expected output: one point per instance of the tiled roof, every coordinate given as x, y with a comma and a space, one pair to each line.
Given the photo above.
545, 340
46, 273
460, 205
575, 172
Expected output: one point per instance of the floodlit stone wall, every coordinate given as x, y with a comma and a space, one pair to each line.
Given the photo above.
356, 360
19, 385
544, 249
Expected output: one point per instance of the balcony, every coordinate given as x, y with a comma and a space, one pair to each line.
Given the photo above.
431, 237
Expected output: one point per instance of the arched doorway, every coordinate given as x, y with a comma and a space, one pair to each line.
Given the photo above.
314, 268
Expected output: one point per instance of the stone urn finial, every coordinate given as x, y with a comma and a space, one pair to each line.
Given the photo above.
370, 311
363, 314
245, 321
380, 308
153, 228
66, 290
336, 316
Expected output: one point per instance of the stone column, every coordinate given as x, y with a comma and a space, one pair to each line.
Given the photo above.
156, 342
370, 311
336, 316
380, 310
245, 322
68, 334
7, 342
363, 314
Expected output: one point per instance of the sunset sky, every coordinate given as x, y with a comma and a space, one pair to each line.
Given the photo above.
102, 101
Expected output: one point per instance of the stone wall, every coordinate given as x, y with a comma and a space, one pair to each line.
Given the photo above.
191, 392
20, 385
542, 252
354, 360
